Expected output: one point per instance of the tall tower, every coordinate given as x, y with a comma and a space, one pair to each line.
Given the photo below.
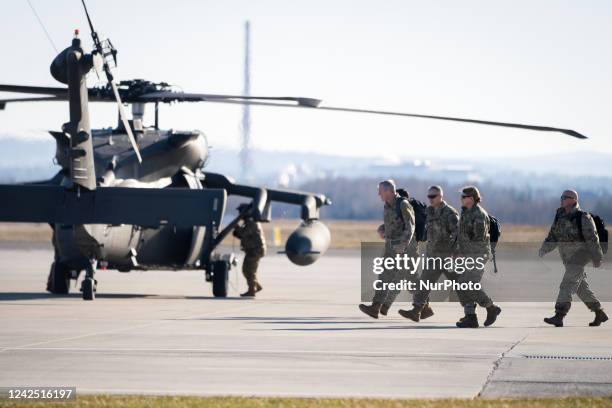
245, 153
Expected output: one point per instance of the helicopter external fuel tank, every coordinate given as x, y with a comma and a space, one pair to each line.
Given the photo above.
308, 242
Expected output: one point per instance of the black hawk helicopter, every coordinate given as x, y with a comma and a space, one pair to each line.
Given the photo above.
136, 197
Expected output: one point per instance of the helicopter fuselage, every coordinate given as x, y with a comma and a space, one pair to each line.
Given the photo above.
171, 159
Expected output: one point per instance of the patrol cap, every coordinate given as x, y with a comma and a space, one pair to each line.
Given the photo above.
570, 194
471, 191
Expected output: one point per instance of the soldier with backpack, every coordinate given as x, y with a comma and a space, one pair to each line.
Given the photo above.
398, 232
579, 237
474, 241
442, 225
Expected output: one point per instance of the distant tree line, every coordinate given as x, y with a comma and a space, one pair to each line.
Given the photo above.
357, 199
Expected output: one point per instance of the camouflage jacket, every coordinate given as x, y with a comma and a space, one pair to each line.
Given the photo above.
442, 227
252, 240
574, 247
473, 239
399, 232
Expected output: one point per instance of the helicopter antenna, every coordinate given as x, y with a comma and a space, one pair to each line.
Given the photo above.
93, 32
106, 50
245, 152
42, 25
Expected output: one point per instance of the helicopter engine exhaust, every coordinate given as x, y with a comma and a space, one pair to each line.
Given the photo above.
308, 242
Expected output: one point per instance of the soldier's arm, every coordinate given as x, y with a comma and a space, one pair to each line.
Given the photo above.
409, 221
481, 226
550, 242
591, 239
452, 226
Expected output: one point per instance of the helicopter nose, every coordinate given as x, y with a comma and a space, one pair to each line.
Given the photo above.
308, 242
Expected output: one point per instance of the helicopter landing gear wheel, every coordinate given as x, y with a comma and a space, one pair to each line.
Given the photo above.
58, 282
220, 278
88, 286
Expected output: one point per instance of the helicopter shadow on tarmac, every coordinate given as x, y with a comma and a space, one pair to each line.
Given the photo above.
13, 296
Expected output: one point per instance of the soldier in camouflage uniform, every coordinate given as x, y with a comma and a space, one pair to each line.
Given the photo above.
398, 233
253, 243
577, 248
473, 241
442, 226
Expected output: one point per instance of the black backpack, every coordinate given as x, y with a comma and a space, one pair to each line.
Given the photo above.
600, 227
495, 231
420, 213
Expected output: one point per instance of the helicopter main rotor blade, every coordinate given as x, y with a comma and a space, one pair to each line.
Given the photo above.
3, 102
42, 90
311, 103
54, 93
568, 132
168, 96
97, 95
125, 122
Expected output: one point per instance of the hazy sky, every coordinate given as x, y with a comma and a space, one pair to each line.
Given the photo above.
537, 62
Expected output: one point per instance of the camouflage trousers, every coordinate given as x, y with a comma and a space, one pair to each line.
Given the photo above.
431, 276
249, 268
574, 282
470, 298
386, 296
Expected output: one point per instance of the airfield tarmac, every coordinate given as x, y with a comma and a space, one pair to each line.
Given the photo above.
164, 333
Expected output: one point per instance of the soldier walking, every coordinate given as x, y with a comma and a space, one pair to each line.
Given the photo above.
398, 232
474, 242
573, 231
253, 243
442, 227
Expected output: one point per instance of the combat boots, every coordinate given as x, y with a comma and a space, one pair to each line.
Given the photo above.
600, 317
413, 314
371, 310
384, 309
556, 320
492, 312
253, 289
468, 321
249, 293
426, 312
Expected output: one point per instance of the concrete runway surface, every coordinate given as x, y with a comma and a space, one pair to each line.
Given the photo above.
164, 333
